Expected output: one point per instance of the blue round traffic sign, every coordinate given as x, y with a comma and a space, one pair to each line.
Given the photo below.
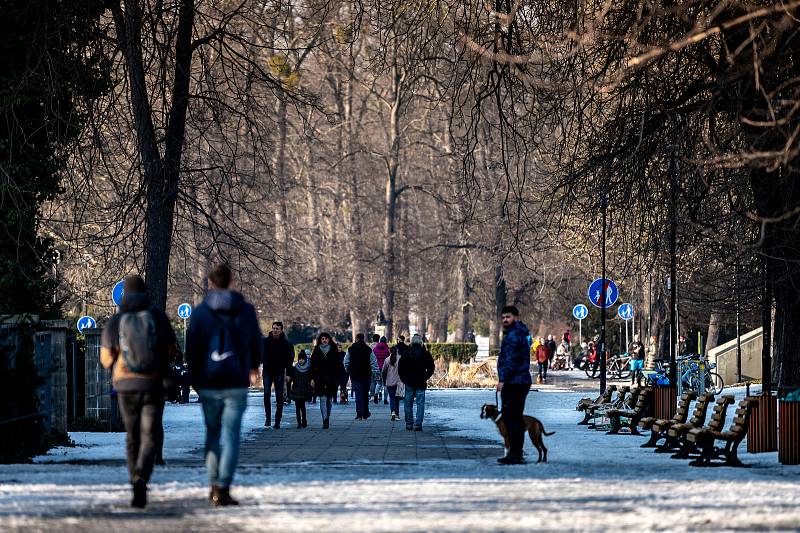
603, 293
117, 292
185, 311
86, 322
625, 311
580, 311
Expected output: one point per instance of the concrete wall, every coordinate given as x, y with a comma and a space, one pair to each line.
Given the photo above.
725, 357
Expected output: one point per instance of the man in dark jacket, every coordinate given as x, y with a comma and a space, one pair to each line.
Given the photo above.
401, 346
414, 369
140, 392
223, 349
514, 381
277, 358
360, 363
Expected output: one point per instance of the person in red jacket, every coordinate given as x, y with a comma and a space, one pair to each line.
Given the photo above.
543, 358
381, 351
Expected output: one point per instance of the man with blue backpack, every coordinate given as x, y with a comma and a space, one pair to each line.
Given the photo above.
223, 350
139, 343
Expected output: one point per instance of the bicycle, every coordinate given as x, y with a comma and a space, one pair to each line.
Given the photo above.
617, 366
697, 375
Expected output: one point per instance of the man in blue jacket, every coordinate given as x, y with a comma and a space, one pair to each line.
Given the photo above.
514, 381
223, 350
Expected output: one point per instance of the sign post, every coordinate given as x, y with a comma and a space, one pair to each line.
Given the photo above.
86, 322
580, 312
184, 312
603, 293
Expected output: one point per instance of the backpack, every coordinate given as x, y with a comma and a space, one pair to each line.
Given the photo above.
137, 342
223, 360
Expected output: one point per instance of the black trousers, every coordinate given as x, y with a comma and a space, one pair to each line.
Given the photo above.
142, 413
271, 380
513, 396
300, 411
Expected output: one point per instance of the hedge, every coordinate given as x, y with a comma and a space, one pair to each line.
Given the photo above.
461, 352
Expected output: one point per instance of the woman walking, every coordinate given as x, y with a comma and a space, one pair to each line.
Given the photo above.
391, 377
325, 368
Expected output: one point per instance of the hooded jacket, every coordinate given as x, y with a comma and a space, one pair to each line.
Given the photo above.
123, 379
277, 355
381, 351
416, 367
230, 306
300, 381
514, 361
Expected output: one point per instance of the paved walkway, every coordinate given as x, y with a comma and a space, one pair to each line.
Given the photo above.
377, 439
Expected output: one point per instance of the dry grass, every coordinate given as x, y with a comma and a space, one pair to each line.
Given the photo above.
453, 374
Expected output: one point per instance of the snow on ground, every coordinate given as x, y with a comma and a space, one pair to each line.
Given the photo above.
592, 481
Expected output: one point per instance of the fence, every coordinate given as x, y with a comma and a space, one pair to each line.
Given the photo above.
98, 399
50, 362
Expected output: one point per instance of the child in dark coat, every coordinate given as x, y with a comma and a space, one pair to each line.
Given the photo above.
300, 378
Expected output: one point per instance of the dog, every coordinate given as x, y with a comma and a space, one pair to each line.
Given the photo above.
534, 427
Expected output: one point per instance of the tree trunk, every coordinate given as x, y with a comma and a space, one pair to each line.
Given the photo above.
161, 174
500, 301
392, 165
714, 325
464, 299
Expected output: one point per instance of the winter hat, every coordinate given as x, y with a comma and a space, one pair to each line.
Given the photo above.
416, 339
383, 340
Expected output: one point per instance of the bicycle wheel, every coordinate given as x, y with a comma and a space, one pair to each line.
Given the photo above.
592, 370
624, 371
714, 383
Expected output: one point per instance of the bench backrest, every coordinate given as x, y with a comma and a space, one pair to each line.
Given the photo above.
641, 400
683, 407
741, 418
720, 412
700, 410
606, 398
621, 394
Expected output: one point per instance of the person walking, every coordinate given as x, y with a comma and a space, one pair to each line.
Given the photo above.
551, 347
637, 359
277, 357
543, 361
300, 379
402, 347
381, 351
361, 364
138, 344
391, 378
514, 381
325, 374
414, 369
223, 349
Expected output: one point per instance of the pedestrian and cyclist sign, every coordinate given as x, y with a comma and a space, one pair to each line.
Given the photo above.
117, 292
86, 322
580, 312
603, 293
185, 311
625, 311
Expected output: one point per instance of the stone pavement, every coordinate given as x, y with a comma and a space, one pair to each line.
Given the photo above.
377, 439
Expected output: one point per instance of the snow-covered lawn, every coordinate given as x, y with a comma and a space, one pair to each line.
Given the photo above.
591, 482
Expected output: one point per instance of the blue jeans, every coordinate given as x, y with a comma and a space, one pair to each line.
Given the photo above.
223, 410
394, 401
416, 396
361, 389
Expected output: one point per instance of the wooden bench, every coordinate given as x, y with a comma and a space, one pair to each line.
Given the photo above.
705, 439
588, 407
717, 422
672, 440
599, 418
649, 422
643, 404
